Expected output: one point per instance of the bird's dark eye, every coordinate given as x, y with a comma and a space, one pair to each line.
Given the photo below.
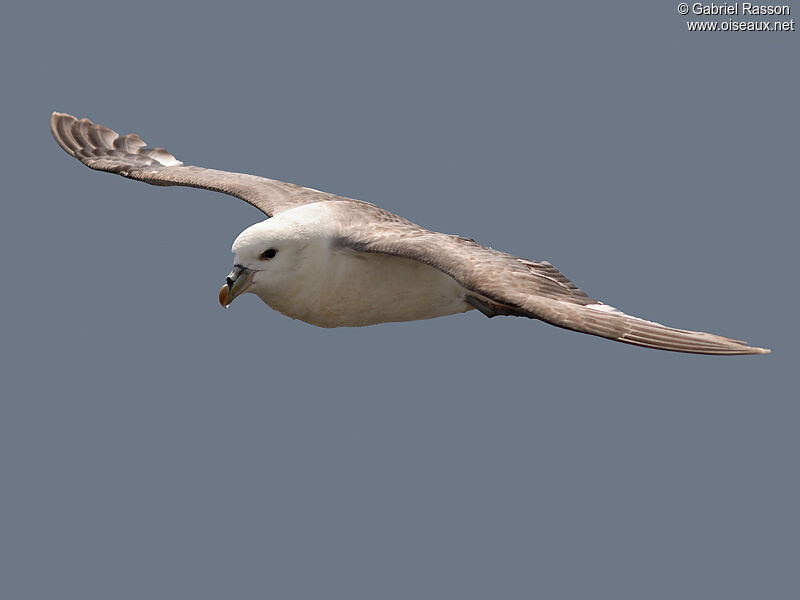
267, 254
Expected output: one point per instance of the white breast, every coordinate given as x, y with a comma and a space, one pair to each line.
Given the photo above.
343, 288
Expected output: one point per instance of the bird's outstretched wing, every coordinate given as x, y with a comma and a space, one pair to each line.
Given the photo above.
100, 148
507, 285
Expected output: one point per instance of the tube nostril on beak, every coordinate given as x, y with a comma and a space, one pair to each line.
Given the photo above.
237, 282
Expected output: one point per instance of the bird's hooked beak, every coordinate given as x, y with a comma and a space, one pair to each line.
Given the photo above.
236, 283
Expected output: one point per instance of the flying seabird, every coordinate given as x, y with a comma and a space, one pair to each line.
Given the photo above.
337, 262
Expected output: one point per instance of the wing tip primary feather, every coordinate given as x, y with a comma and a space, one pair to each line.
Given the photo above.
58, 127
655, 335
611, 323
101, 148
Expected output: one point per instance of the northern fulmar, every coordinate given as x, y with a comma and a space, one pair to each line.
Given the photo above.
337, 262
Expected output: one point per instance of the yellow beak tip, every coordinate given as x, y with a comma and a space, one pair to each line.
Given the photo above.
224, 296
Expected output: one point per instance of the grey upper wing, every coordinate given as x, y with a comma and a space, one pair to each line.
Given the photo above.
528, 288
100, 148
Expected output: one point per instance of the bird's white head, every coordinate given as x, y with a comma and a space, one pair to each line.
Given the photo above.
269, 257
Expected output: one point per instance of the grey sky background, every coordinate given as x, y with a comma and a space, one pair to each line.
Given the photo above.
153, 445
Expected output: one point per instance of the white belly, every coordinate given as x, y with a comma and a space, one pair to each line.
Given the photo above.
364, 289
